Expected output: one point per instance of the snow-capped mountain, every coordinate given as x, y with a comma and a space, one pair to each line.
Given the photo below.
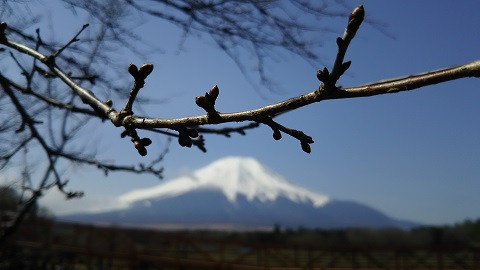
233, 176
235, 192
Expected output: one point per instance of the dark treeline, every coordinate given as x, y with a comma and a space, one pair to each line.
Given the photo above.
464, 234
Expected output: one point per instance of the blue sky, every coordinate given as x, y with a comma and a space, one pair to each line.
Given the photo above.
413, 155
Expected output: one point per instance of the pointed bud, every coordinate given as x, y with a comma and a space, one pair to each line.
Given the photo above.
323, 75
133, 70
346, 65
325, 71
355, 19
276, 134
214, 93
145, 141
109, 102
340, 42
145, 70
306, 147
201, 102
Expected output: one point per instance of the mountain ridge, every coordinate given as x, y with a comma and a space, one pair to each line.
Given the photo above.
237, 191
240, 175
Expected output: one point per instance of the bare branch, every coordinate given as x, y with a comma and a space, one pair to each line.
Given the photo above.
326, 90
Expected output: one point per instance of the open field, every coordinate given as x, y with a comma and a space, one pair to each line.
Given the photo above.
51, 245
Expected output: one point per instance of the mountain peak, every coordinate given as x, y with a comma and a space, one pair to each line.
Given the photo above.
233, 176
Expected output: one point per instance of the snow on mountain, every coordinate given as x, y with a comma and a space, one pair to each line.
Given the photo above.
233, 176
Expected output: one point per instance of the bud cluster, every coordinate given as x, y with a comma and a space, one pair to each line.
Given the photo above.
207, 102
142, 73
185, 137
140, 145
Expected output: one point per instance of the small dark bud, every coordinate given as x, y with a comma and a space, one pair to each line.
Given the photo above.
214, 93
142, 151
140, 148
192, 133
201, 101
184, 140
133, 70
339, 42
325, 71
323, 75
306, 147
124, 134
276, 134
145, 70
356, 18
145, 141
345, 66
109, 102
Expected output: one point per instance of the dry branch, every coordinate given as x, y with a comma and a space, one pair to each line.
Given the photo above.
326, 90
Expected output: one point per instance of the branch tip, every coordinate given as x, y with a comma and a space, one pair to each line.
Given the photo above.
213, 93
133, 70
145, 70
356, 18
306, 147
277, 135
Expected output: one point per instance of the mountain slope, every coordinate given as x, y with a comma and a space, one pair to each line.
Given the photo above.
237, 192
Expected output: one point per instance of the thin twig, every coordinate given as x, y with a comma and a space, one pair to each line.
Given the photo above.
74, 39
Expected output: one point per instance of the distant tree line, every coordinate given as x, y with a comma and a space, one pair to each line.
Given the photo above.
466, 233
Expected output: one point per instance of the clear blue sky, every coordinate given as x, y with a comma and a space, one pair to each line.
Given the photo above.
413, 155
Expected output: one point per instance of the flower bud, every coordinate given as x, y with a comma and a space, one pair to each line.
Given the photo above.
355, 19
276, 134
214, 93
145, 141
140, 148
306, 147
184, 140
145, 70
142, 151
323, 75
133, 70
201, 101
346, 65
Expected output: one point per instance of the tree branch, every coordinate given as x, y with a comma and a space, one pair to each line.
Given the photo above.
326, 90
